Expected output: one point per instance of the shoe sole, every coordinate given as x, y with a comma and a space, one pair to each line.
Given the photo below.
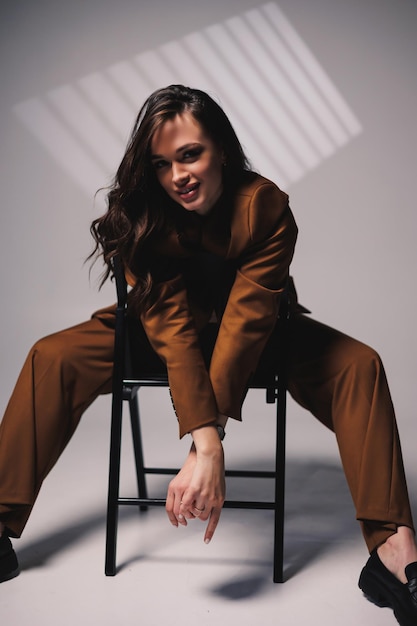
10, 575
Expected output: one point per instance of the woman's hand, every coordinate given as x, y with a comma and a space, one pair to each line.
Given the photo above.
198, 490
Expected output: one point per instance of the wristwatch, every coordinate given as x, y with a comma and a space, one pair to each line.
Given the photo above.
221, 431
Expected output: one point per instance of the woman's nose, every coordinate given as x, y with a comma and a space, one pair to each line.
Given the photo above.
180, 175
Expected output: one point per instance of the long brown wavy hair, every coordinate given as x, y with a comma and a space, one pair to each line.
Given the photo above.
137, 204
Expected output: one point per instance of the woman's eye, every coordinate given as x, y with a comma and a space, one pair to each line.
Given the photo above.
158, 165
192, 153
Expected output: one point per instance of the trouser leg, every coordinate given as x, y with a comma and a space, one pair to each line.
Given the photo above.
343, 383
61, 377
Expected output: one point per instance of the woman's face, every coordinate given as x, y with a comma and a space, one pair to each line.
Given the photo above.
188, 163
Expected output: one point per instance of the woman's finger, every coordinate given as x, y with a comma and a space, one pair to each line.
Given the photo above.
173, 506
197, 511
212, 524
169, 507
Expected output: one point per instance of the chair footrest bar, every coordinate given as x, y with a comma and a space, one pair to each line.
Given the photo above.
141, 501
228, 504
232, 473
249, 504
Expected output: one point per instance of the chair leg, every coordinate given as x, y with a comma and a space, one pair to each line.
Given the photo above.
114, 481
138, 448
278, 570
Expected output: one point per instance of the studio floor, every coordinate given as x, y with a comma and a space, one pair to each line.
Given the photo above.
168, 576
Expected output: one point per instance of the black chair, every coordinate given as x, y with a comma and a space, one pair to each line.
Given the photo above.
270, 375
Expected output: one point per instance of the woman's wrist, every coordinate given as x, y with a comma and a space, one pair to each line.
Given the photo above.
207, 440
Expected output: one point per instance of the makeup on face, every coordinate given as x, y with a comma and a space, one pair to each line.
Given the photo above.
188, 163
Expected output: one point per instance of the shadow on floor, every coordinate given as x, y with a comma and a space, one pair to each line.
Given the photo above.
319, 515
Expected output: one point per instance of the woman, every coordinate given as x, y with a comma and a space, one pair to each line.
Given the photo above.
203, 238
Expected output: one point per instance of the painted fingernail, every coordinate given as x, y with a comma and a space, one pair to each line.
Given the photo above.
207, 541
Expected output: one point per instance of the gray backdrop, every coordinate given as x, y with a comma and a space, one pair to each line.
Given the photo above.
323, 94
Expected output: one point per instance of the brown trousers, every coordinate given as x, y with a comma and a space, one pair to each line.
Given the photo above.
340, 380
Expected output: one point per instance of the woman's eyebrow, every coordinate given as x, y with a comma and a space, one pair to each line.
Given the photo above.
186, 146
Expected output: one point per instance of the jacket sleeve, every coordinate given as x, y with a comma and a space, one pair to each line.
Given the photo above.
172, 333
252, 307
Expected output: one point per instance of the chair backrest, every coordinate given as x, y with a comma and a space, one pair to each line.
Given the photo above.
270, 369
120, 280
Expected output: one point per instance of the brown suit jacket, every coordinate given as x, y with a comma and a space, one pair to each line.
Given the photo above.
235, 263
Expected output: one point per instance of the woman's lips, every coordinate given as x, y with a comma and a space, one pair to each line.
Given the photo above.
189, 193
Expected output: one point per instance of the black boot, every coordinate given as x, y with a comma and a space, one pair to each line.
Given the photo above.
9, 567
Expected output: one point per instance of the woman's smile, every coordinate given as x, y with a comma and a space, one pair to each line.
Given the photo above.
189, 193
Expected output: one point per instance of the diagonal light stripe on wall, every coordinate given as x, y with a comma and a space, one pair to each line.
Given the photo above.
62, 145
86, 124
259, 75
286, 111
108, 101
270, 65
312, 68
